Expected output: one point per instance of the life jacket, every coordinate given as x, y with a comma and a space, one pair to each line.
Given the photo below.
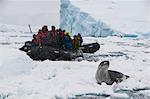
45, 34
39, 35
37, 41
76, 43
67, 42
66, 39
62, 34
80, 40
53, 33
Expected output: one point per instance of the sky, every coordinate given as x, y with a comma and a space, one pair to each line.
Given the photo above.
122, 15
25, 12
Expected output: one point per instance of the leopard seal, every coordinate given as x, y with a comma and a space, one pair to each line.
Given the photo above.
108, 76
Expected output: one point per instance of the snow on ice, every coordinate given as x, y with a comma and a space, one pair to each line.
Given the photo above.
23, 78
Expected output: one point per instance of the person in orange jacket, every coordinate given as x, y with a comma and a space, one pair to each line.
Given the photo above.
76, 42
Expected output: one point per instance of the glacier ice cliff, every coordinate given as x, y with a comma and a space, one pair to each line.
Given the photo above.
76, 21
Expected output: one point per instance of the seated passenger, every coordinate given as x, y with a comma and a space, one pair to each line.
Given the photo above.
44, 31
76, 42
40, 34
44, 35
80, 39
36, 41
53, 31
45, 28
60, 40
67, 42
63, 33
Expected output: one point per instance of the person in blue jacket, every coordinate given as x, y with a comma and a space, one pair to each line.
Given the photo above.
67, 42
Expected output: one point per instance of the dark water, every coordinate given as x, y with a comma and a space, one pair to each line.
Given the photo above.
132, 94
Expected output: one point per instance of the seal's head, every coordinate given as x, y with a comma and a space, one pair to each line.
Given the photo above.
104, 65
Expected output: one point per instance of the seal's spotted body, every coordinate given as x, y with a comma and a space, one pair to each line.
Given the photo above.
108, 76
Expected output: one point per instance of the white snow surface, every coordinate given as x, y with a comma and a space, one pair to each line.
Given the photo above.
23, 78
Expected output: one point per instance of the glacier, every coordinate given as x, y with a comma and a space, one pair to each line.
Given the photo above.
76, 21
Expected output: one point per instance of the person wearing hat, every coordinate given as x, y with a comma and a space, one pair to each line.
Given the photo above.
67, 42
76, 42
80, 39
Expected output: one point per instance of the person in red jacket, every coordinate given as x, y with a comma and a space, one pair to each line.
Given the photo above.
53, 31
44, 36
45, 28
63, 33
45, 31
40, 34
36, 41
39, 37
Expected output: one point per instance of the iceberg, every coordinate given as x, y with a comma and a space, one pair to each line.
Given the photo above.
76, 21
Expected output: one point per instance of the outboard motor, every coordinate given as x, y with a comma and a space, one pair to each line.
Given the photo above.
90, 48
27, 46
